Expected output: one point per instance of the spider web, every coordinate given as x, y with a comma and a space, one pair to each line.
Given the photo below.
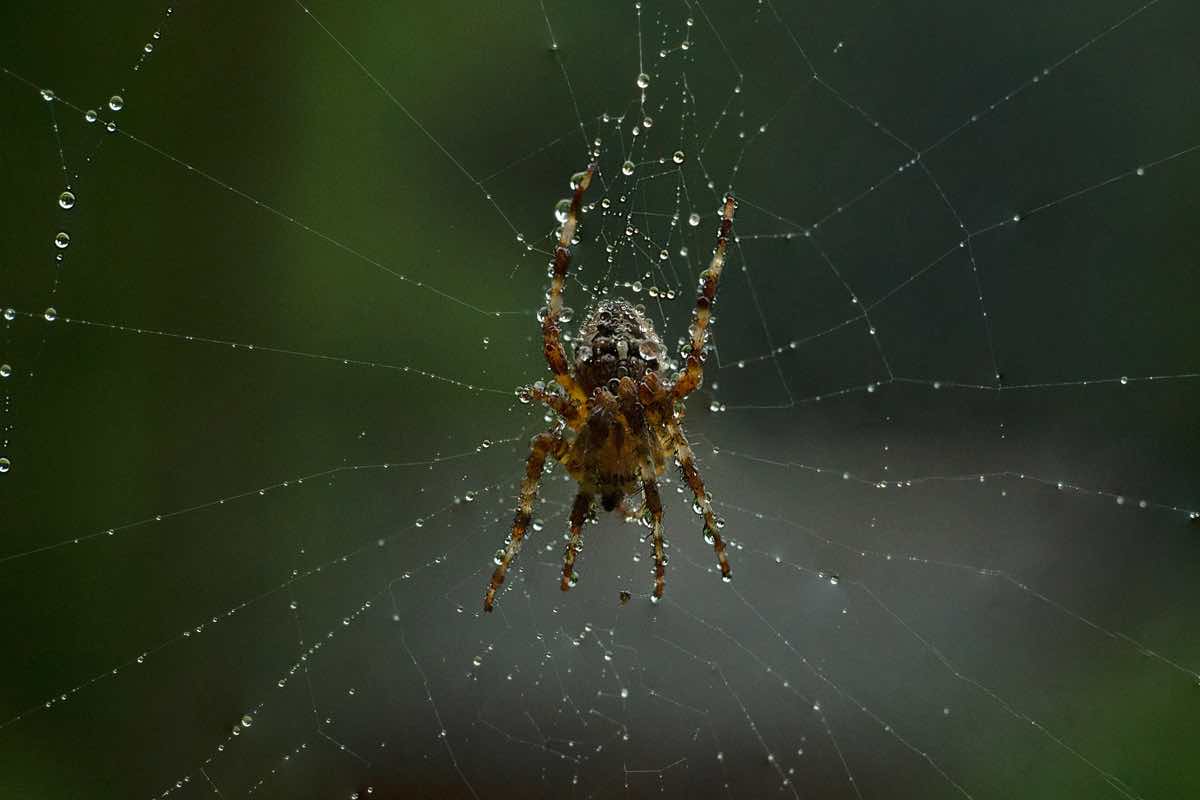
261, 437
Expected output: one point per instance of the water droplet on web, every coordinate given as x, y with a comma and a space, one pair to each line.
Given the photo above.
566, 314
647, 122
116, 102
50, 314
90, 115
577, 179
1124, 380
627, 168
48, 95
636, 286
5, 465
678, 156
66, 199
643, 80
247, 720
693, 219
10, 314
62, 240
110, 126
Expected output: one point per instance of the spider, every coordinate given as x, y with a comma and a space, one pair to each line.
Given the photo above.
619, 411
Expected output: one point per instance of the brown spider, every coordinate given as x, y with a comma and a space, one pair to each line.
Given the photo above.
620, 412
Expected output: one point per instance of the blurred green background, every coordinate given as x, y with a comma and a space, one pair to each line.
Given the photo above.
296, 260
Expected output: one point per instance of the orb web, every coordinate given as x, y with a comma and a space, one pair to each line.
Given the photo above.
272, 278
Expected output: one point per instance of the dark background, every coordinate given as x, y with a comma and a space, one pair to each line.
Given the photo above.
294, 308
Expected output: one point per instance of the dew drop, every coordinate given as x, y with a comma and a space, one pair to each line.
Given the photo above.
693, 219
90, 115
678, 156
643, 80
62, 240
48, 95
561, 210
66, 199
50, 314
116, 102
627, 168
5, 465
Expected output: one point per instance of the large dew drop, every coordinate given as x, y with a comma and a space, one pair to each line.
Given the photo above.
66, 199
627, 168
643, 80
116, 102
561, 209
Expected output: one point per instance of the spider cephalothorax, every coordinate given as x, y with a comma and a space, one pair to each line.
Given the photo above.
620, 410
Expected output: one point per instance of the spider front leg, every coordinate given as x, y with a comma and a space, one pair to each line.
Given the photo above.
579, 511
687, 465
556, 356
654, 504
543, 444
688, 380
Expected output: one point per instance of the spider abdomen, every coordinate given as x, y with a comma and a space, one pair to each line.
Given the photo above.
618, 340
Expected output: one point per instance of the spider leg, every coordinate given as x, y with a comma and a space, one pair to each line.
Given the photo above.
556, 356
566, 407
654, 503
543, 444
687, 465
688, 379
635, 415
583, 503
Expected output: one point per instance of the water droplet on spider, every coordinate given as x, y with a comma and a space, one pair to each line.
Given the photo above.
5, 465
116, 102
627, 168
643, 80
538, 525
498, 557
66, 199
50, 314
678, 156
561, 210
541, 313
577, 179
62, 240
566, 313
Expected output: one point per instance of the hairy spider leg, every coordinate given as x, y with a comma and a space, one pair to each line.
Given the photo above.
635, 415
542, 445
654, 503
691, 475
579, 511
566, 408
556, 356
688, 380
